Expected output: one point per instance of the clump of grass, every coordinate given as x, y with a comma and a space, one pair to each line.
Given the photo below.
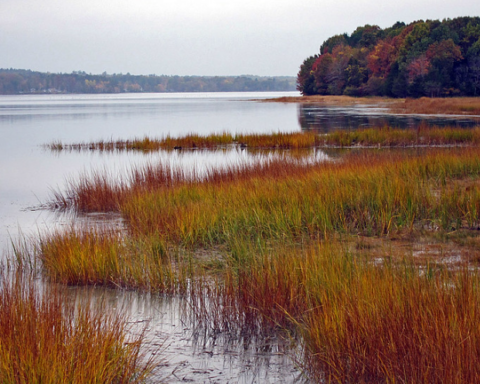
108, 258
391, 323
45, 339
101, 192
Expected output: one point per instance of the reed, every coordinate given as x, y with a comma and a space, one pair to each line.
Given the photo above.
194, 141
372, 194
107, 258
360, 321
46, 339
423, 136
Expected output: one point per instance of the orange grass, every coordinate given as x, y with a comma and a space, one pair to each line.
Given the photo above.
360, 322
423, 136
107, 258
194, 141
45, 339
385, 137
101, 192
368, 193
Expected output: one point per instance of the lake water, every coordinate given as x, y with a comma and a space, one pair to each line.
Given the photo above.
28, 173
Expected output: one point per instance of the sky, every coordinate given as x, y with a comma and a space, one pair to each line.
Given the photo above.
192, 37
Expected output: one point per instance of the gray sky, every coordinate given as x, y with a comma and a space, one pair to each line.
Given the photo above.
191, 37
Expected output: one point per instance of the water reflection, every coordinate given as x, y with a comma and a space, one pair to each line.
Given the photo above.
325, 119
188, 352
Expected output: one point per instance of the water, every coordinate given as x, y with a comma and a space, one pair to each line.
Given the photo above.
28, 173
328, 118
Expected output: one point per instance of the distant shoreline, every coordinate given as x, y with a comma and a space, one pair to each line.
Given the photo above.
468, 106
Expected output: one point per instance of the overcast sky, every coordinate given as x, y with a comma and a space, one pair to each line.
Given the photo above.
192, 37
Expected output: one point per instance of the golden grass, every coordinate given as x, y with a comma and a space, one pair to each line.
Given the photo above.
361, 322
45, 339
280, 140
277, 225
107, 258
371, 194
386, 137
424, 105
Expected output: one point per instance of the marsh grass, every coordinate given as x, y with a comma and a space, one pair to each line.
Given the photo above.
361, 322
194, 141
279, 225
108, 258
423, 136
441, 106
424, 105
46, 339
368, 193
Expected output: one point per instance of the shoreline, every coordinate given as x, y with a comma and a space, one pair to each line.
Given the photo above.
462, 106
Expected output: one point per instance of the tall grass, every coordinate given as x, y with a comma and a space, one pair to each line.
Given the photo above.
273, 223
371, 194
95, 257
361, 322
423, 136
386, 137
45, 339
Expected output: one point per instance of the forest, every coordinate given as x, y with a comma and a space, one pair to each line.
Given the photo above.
19, 81
424, 58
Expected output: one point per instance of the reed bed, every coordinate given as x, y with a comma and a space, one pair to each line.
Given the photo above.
360, 322
45, 339
275, 224
368, 193
280, 140
423, 136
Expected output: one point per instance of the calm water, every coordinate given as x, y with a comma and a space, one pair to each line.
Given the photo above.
28, 173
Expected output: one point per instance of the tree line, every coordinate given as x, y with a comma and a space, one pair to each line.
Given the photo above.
18, 81
424, 58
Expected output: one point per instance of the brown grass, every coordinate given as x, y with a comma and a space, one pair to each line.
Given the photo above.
440, 106
422, 136
330, 100
45, 339
424, 105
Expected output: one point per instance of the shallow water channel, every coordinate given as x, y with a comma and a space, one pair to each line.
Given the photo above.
29, 173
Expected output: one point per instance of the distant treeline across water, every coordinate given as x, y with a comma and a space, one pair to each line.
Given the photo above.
424, 58
19, 81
